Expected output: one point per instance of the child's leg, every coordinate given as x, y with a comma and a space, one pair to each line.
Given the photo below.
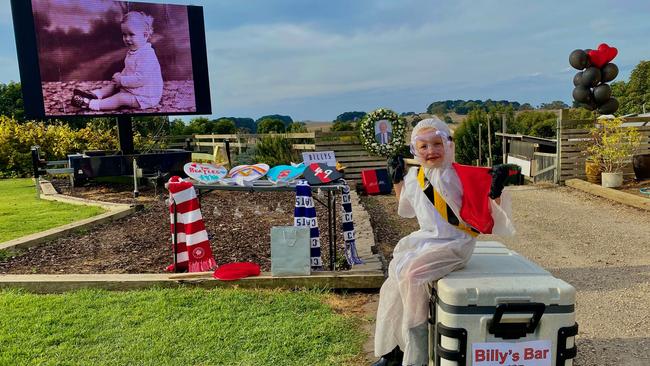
115, 101
105, 91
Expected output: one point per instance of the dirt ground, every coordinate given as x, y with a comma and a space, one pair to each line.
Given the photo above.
238, 225
178, 96
598, 246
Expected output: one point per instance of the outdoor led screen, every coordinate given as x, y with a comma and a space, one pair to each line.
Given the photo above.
111, 58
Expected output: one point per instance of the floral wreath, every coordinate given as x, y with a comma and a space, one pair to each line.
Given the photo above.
367, 132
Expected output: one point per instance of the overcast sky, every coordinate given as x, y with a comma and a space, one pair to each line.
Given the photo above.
314, 59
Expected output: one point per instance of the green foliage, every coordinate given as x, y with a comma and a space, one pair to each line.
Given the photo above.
21, 213
275, 150
286, 120
448, 119
613, 144
224, 127
463, 107
350, 116
636, 92
11, 101
246, 124
297, 127
466, 136
534, 123
176, 127
270, 125
342, 126
556, 104
581, 114
56, 141
181, 326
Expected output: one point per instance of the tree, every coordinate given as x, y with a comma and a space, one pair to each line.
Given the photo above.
350, 116
297, 127
556, 104
269, 125
286, 120
634, 94
224, 126
199, 125
177, 127
526, 107
11, 101
342, 126
466, 135
534, 123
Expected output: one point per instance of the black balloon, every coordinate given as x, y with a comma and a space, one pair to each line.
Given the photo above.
588, 106
609, 72
590, 77
609, 107
578, 59
581, 94
576, 78
602, 93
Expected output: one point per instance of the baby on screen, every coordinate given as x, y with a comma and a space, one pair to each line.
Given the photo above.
139, 84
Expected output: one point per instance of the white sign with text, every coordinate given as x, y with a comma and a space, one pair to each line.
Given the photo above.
325, 157
532, 353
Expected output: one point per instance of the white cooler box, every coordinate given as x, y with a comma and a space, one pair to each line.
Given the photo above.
502, 309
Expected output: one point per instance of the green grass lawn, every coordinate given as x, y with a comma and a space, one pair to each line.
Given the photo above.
21, 213
175, 327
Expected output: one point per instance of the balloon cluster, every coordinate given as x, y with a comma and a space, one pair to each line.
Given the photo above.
591, 89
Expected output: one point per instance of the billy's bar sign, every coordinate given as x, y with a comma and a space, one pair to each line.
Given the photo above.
533, 353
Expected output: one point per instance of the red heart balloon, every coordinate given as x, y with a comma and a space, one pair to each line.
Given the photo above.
602, 55
610, 52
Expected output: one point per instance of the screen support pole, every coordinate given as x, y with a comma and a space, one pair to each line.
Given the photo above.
125, 134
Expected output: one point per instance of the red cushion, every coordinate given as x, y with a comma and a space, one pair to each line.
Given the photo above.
235, 271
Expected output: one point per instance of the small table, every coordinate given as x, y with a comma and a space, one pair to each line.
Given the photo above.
266, 186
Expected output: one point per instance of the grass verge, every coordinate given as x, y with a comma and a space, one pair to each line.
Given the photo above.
21, 213
176, 327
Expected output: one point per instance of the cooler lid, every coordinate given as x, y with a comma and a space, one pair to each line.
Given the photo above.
490, 290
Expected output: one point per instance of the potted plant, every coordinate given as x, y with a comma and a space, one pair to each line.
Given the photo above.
613, 145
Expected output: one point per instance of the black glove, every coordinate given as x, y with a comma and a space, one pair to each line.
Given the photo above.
396, 168
503, 175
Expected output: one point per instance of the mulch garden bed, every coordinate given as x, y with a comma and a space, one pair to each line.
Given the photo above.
388, 227
238, 225
634, 186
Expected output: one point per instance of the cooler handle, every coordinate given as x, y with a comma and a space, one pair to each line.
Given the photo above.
516, 330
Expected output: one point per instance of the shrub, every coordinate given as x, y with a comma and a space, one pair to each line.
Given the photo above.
274, 150
56, 141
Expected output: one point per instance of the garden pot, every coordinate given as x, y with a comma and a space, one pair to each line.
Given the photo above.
592, 170
612, 180
641, 164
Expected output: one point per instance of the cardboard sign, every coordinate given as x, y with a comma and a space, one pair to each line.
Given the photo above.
318, 173
532, 353
285, 173
325, 157
248, 173
205, 173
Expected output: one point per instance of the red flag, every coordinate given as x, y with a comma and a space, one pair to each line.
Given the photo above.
475, 208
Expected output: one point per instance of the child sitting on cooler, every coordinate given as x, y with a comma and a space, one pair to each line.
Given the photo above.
433, 193
139, 85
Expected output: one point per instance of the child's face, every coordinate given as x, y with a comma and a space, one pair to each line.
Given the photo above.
134, 34
430, 148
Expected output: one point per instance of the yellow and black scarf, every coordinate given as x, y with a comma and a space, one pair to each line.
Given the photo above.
441, 205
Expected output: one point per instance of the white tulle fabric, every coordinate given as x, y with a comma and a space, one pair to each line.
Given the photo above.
425, 255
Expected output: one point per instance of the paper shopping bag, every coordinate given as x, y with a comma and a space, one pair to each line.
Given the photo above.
290, 252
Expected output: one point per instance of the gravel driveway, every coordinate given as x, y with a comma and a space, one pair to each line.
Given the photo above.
599, 246
603, 249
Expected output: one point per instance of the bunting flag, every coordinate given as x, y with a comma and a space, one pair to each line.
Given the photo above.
348, 227
193, 252
304, 214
